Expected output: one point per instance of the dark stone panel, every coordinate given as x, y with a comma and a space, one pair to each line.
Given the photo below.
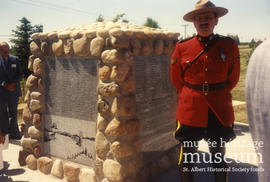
70, 108
156, 104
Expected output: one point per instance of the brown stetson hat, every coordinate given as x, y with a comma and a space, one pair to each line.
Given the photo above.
203, 6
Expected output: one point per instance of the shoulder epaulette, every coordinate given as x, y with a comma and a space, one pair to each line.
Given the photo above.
181, 41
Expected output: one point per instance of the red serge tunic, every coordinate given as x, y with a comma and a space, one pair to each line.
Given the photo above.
221, 63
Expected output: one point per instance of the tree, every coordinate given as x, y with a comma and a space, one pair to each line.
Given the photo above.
21, 42
235, 37
253, 44
151, 23
100, 18
120, 16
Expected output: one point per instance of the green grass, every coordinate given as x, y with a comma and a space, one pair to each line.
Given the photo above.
238, 92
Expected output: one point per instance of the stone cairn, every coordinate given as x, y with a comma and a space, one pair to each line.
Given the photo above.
117, 143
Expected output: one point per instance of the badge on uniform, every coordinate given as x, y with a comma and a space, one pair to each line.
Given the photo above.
173, 61
13, 66
222, 55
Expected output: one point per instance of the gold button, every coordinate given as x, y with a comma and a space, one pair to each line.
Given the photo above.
206, 57
206, 69
205, 93
205, 82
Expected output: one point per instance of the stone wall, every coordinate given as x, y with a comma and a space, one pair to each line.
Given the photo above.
119, 142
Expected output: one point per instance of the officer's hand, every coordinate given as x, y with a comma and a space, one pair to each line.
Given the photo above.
2, 138
9, 86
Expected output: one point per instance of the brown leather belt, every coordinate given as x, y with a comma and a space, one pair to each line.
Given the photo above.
206, 87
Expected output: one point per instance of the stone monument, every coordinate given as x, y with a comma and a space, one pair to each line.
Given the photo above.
100, 105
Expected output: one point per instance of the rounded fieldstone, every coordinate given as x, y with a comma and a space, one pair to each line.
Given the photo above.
105, 180
90, 34
22, 127
111, 57
127, 32
29, 144
120, 42
68, 48
108, 89
32, 82
128, 57
41, 85
104, 73
38, 67
124, 107
159, 47
139, 33
64, 35
36, 95
71, 172
52, 35
31, 162
58, 48
87, 175
147, 47
57, 169
27, 97
102, 106
76, 34
34, 133
37, 151
44, 165
116, 129
81, 47
103, 33
27, 115
113, 170
22, 156
116, 32
30, 62
101, 123
37, 120
43, 36
98, 168
45, 48
35, 105
122, 149
35, 50
35, 36
136, 47
96, 46
120, 72
101, 145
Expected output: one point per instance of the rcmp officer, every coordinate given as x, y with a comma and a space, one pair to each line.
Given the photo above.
10, 91
204, 70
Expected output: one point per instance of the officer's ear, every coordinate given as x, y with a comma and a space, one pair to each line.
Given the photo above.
216, 20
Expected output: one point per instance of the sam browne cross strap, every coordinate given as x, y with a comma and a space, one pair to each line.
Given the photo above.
203, 87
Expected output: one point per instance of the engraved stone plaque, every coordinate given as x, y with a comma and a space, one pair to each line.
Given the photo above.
70, 108
156, 104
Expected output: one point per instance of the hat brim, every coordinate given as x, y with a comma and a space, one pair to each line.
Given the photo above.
218, 10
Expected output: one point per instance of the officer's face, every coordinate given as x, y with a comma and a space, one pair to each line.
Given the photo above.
4, 51
205, 23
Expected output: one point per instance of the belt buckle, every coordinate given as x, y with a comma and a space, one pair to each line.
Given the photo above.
205, 87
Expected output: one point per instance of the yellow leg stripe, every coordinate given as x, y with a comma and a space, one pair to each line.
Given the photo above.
178, 126
181, 154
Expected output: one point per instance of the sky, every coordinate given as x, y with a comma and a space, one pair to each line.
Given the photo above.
246, 18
